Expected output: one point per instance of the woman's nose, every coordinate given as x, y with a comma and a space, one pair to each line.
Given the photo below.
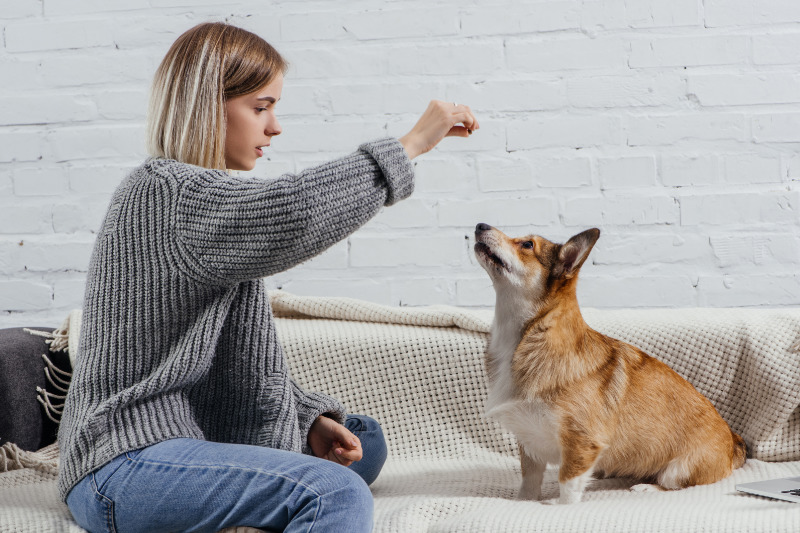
274, 128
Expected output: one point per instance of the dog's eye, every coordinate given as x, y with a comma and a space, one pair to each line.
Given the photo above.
528, 245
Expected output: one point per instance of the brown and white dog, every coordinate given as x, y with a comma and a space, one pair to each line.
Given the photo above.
576, 398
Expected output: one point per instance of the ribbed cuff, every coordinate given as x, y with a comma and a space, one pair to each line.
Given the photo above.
310, 405
395, 165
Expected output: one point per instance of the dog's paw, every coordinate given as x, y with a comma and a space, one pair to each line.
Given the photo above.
566, 498
526, 494
646, 487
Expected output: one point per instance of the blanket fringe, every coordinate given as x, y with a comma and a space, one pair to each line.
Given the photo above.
12, 457
57, 378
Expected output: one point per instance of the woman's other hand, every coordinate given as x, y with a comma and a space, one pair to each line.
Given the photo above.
440, 120
332, 441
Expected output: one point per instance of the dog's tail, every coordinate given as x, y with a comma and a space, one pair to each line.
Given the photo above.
739, 451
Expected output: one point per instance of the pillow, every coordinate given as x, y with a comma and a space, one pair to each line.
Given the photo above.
24, 419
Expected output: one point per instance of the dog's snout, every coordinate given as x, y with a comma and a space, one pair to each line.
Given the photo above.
482, 227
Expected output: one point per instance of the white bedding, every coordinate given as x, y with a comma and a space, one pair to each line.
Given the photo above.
420, 372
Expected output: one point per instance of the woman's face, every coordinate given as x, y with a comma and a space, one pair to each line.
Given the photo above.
250, 124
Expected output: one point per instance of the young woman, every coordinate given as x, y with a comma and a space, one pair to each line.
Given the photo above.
182, 415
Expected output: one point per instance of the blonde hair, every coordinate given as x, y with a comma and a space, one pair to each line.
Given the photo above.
204, 67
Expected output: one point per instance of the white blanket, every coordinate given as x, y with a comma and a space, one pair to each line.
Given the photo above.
419, 371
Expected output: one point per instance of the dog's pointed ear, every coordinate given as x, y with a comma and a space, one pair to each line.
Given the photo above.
574, 252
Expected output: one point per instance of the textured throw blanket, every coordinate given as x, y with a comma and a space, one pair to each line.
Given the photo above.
419, 371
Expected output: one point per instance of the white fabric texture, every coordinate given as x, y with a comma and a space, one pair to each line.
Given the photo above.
419, 371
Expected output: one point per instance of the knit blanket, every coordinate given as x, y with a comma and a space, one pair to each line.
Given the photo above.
419, 371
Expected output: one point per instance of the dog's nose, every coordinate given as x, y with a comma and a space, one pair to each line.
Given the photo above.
482, 227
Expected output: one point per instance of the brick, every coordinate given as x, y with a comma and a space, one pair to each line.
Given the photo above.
663, 13
571, 53
419, 291
40, 181
40, 36
732, 250
444, 175
406, 23
686, 51
68, 294
567, 131
94, 142
516, 19
475, 292
740, 209
153, 30
121, 105
615, 248
20, 74
57, 8
16, 218
46, 109
510, 95
520, 212
782, 49
562, 172
748, 289
410, 213
752, 88
617, 172
334, 257
20, 145
504, 174
342, 135
372, 290
633, 290
752, 168
391, 251
719, 13
369, 98
781, 128
54, 253
96, 179
689, 170
621, 211
23, 295
649, 130
626, 91
102, 67
83, 217
12, 9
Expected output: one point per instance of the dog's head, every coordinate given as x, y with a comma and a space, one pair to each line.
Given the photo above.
531, 265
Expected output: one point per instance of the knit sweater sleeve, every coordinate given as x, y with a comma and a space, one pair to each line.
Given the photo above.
232, 229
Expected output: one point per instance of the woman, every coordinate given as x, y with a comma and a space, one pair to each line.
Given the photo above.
181, 415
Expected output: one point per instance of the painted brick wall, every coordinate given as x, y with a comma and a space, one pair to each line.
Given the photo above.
672, 125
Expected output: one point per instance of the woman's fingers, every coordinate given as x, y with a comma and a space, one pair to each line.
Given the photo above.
440, 120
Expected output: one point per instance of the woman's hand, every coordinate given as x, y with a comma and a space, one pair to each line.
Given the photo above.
440, 120
332, 441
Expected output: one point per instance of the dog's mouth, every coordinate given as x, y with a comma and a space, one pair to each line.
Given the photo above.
483, 250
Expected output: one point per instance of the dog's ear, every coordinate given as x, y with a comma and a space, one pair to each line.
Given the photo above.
574, 252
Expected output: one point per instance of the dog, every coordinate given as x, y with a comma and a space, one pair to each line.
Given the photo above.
576, 398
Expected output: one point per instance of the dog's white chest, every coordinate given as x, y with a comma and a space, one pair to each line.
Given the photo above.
535, 425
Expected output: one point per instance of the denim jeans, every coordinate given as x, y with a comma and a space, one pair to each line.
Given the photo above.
195, 485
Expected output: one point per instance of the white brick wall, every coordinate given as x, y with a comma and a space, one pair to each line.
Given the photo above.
673, 125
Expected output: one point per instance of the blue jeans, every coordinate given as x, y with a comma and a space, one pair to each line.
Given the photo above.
195, 485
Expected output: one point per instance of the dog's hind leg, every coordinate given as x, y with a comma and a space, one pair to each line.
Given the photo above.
532, 476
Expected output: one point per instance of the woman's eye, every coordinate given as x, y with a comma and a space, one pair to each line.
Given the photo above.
528, 245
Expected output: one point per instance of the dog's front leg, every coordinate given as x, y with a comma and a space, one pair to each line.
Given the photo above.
576, 471
532, 476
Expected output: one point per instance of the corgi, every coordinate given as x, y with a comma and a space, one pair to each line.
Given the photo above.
575, 398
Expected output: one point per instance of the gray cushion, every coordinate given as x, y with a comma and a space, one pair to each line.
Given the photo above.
23, 420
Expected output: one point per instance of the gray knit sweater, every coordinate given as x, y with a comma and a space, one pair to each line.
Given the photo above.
177, 338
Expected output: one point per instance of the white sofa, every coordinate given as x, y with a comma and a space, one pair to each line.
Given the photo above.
419, 371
